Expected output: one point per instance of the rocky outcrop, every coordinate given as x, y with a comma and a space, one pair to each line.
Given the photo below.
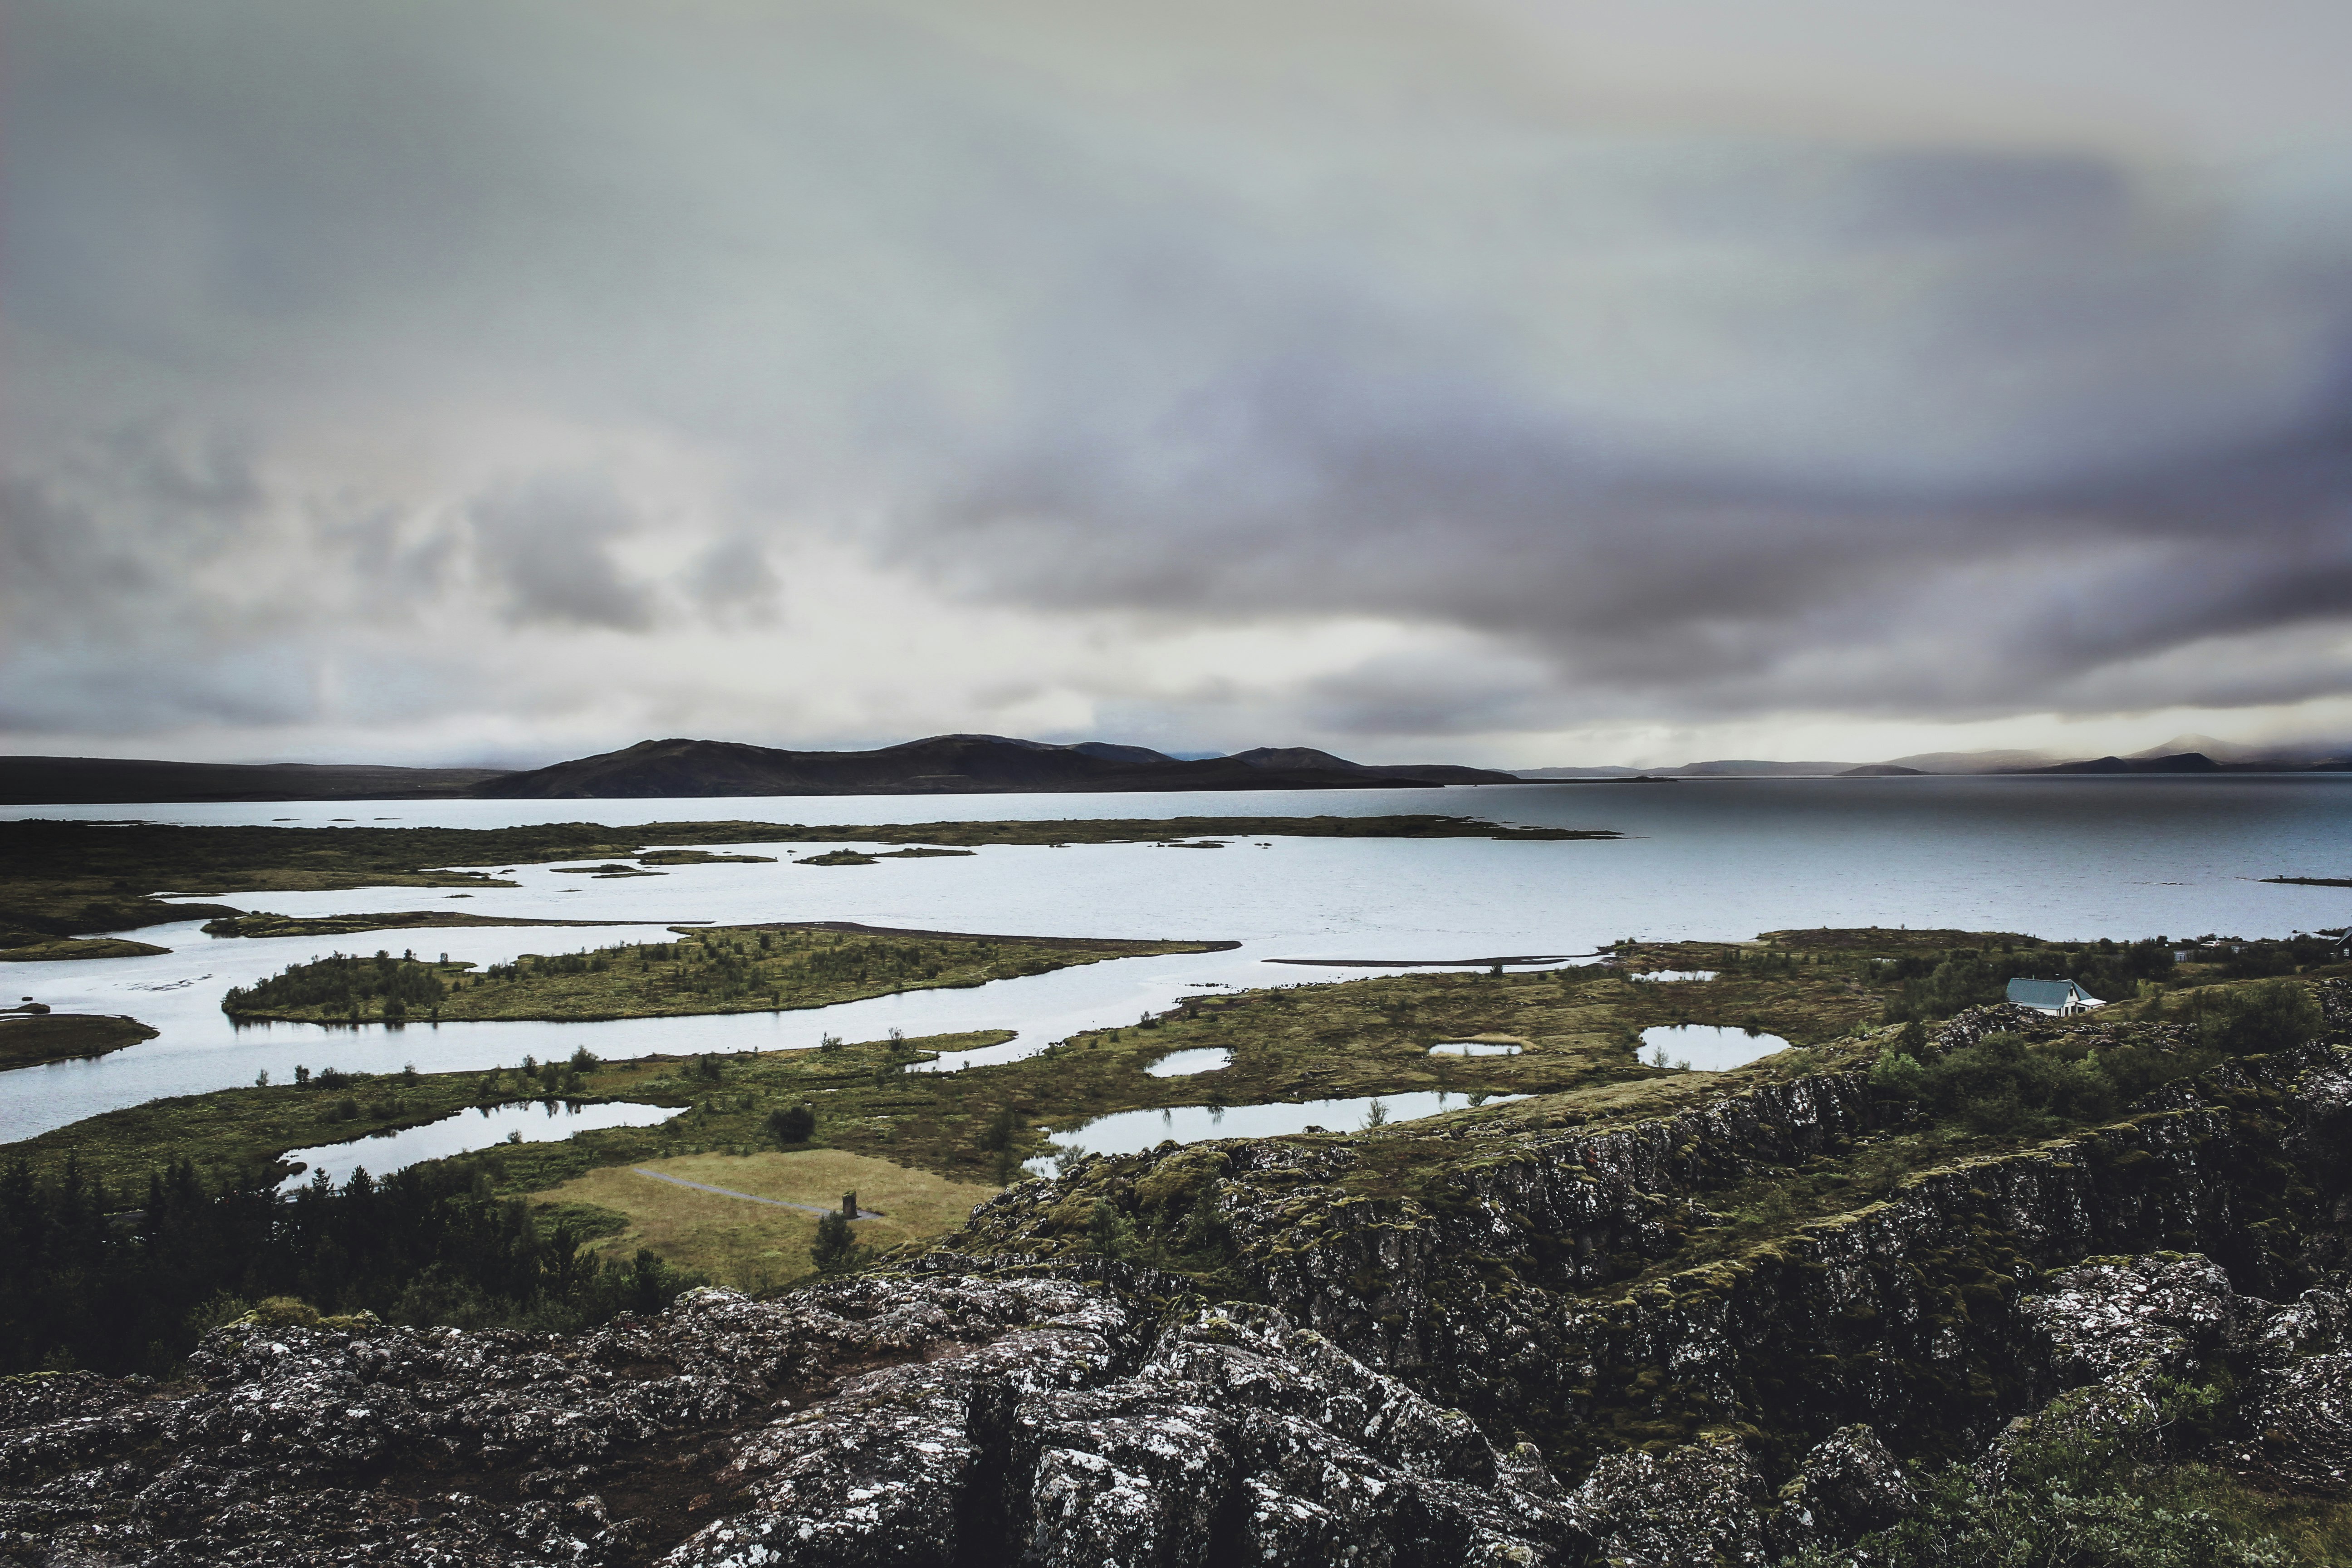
1848, 1486
947, 1418
1499, 1287
1490, 1358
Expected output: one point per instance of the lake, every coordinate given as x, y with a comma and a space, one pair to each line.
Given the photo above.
1704, 859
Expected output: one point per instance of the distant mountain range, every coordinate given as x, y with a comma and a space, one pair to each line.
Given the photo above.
951, 764
108, 781
984, 765
2181, 754
942, 764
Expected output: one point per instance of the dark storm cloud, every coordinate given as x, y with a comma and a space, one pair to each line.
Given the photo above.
1033, 308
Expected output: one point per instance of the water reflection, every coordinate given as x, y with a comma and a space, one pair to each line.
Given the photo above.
1706, 1047
1184, 1064
524, 1122
1132, 1131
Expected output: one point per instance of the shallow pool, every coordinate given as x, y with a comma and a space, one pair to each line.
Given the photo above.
1675, 974
1132, 1131
1473, 1048
1706, 1047
537, 1122
1184, 1064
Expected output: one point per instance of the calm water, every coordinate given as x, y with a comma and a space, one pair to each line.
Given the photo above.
1706, 1047
526, 1121
1187, 1063
1712, 860
1132, 1131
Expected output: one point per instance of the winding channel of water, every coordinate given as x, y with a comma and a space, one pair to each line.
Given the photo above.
1712, 860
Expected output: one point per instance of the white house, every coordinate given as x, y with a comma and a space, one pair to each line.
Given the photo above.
2058, 998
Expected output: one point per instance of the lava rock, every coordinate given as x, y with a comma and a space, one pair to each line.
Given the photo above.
1850, 1485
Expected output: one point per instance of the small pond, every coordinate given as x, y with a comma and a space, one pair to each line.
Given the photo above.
1675, 974
1706, 1047
538, 1121
1184, 1064
1132, 1131
1473, 1048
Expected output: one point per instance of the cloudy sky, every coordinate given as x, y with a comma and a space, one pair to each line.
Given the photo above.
1493, 381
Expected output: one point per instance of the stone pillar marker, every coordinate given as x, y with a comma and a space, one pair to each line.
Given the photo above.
849, 1205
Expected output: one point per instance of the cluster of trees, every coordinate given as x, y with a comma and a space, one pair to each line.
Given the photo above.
900, 959
343, 985
2008, 1086
546, 1078
532, 966
2259, 960
1940, 985
89, 1281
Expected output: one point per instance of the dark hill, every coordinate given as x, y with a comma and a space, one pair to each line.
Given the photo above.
1308, 759
945, 764
1883, 771
102, 780
2178, 762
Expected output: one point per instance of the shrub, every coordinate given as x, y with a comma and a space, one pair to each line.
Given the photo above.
1898, 1074
997, 1133
2251, 1019
2002, 1084
2049, 1525
792, 1124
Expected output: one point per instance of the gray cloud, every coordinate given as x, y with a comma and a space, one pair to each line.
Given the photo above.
510, 325
547, 545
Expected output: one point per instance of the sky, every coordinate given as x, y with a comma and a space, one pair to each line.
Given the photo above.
1500, 381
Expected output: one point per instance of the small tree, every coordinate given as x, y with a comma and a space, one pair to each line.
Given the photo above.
997, 1131
793, 1123
1109, 1233
835, 1247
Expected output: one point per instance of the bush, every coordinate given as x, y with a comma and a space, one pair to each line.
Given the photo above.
997, 1133
2049, 1525
2253, 1019
792, 1124
1898, 1074
2003, 1086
